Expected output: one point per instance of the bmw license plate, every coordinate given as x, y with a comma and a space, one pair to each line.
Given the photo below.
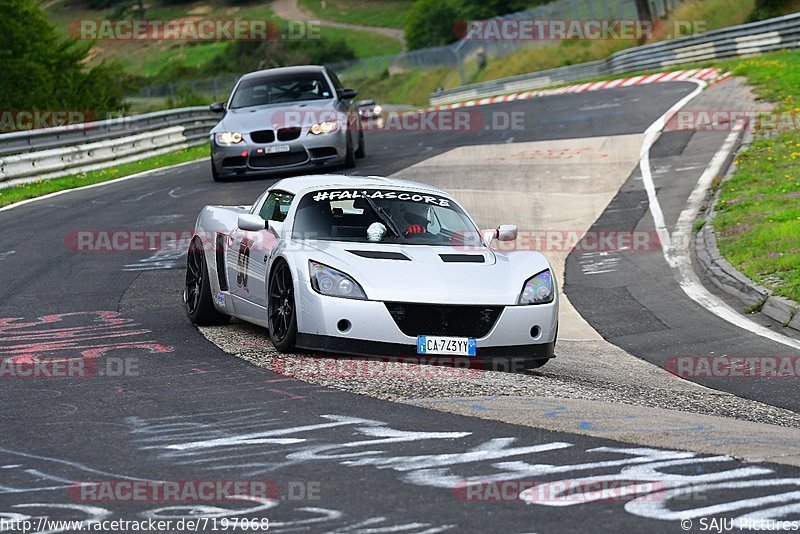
458, 346
276, 149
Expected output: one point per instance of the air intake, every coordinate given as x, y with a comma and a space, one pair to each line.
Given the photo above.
462, 258
380, 255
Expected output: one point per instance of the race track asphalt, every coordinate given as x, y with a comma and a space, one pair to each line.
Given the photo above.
186, 411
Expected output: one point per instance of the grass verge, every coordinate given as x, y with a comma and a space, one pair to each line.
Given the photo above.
364, 44
758, 220
10, 195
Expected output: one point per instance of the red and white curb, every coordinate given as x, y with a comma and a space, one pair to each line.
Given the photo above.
708, 75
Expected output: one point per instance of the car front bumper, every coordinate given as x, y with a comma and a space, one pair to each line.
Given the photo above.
308, 152
371, 329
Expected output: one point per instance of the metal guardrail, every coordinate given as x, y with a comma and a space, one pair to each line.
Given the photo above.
53, 152
756, 37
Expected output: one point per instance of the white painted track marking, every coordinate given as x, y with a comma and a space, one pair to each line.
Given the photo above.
651, 134
678, 257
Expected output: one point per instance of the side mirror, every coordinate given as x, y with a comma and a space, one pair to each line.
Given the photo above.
347, 94
275, 227
506, 232
250, 222
217, 107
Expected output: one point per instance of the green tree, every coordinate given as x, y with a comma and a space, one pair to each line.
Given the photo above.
772, 8
432, 23
42, 70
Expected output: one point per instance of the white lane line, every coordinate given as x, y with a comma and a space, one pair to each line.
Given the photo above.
650, 135
679, 257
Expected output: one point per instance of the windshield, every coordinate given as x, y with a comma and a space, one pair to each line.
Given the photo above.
275, 89
382, 216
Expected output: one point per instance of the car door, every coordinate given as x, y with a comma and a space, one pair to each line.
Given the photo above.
248, 252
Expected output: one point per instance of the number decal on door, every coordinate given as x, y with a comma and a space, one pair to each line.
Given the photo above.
242, 263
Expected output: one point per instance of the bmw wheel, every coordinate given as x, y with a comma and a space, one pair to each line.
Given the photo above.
362, 151
350, 155
215, 174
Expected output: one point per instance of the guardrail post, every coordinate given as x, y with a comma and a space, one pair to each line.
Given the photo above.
460, 65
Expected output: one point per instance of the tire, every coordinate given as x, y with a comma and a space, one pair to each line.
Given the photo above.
281, 310
362, 151
215, 174
197, 292
350, 156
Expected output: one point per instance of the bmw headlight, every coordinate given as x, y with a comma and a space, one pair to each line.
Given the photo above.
538, 289
228, 138
323, 127
328, 281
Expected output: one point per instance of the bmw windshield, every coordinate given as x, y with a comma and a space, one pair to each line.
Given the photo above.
278, 89
382, 216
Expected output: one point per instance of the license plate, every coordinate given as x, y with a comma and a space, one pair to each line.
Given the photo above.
459, 346
276, 149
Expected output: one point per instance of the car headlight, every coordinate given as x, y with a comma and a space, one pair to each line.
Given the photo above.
328, 281
323, 127
538, 289
228, 138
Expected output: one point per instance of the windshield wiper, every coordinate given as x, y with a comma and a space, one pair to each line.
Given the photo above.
381, 213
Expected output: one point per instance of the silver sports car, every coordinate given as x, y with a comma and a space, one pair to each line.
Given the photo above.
286, 119
371, 266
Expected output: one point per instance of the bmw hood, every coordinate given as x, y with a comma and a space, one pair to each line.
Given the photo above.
275, 116
429, 274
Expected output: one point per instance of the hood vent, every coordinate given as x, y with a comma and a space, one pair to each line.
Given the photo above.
380, 255
462, 258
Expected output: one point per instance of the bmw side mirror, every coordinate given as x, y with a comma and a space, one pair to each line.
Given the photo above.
250, 222
347, 94
506, 232
217, 107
